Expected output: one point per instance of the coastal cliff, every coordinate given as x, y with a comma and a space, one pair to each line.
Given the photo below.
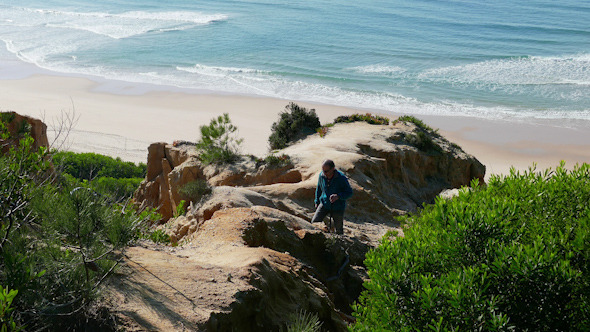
247, 256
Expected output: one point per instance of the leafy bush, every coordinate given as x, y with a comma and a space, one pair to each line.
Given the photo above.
195, 190
180, 209
368, 118
87, 166
7, 321
419, 123
116, 188
274, 160
159, 236
423, 141
514, 255
294, 122
57, 243
218, 143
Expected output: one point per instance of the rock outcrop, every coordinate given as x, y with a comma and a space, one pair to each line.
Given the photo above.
248, 257
388, 174
17, 125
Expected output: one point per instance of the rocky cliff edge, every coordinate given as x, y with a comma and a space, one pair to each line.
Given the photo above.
248, 257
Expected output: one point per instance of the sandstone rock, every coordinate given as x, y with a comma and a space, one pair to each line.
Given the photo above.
156, 151
249, 245
18, 124
246, 269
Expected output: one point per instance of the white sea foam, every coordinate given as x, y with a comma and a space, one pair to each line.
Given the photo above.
378, 70
219, 71
252, 81
534, 70
113, 25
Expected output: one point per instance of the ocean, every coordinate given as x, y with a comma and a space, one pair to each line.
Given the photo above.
492, 59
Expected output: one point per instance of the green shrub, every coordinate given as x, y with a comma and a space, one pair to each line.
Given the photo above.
195, 190
180, 209
218, 143
514, 255
57, 243
274, 160
87, 166
456, 146
7, 321
117, 189
304, 322
423, 141
419, 123
159, 236
368, 118
294, 122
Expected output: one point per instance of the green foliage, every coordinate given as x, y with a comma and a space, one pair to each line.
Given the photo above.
514, 255
294, 122
323, 130
423, 141
180, 209
456, 146
304, 322
274, 160
87, 166
195, 190
58, 243
23, 128
159, 236
116, 188
368, 118
108, 176
150, 215
7, 321
419, 123
218, 144
7, 117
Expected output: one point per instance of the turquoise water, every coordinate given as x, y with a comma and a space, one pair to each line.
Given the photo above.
494, 59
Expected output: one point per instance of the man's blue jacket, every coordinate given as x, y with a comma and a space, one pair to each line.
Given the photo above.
338, 185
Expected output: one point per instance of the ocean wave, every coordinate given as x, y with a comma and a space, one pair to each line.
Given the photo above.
533, 70
377, 69
219, 71
113, 25
256, 82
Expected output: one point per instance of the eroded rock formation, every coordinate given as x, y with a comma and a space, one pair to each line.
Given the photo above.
248, 257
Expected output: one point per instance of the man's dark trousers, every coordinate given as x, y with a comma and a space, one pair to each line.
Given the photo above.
338, 216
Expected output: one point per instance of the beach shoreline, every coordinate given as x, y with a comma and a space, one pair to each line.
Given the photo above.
123, 124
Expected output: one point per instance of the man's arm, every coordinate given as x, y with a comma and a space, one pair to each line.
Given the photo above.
318, 191
346, 191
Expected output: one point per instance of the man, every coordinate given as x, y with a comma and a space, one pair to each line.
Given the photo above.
330, 196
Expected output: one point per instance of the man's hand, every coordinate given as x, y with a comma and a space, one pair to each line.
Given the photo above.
333, 198
316, 206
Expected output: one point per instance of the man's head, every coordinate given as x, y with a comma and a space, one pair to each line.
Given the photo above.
328, 167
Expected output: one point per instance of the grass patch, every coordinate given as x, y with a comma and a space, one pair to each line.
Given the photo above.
194, 191
419, 123
367, 117
159, 236
423, 142
304, 321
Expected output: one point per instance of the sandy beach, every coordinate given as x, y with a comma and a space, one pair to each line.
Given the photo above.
122, 119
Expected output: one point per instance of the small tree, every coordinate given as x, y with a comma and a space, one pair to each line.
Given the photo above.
218, 143
293, 122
